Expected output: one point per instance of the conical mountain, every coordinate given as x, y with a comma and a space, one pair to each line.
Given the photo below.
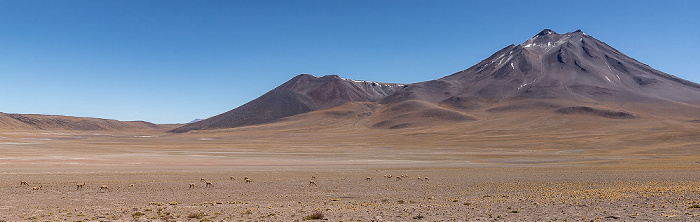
303, 93
572, 66
571, 73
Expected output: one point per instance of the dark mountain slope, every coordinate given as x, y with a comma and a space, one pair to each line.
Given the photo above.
572, 66
303, 93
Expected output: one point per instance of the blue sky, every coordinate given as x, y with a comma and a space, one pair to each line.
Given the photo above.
174, 61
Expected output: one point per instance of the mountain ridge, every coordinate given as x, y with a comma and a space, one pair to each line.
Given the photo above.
11, 121
563, 74
571, 74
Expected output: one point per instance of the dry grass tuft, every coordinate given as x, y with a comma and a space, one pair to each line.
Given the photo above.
198, 215
317, 215
137, 214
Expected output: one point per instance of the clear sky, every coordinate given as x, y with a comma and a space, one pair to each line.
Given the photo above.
173, 61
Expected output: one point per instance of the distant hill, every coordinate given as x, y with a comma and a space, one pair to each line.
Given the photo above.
54, 122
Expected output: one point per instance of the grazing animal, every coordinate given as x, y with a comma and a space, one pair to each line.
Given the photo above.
425, 178
209, 184
104, 188
36, 188
232, 178
131, 185
312, 182
80, 186
192, 185
419, 178
398, 177
23, 183
248, 180
202, 179
368, 178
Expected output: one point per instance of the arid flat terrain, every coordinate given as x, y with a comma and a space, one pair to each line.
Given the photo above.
535, 169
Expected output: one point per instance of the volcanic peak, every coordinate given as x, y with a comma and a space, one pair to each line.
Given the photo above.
374, 83
305, 78
571, 66
546, 32
548, 39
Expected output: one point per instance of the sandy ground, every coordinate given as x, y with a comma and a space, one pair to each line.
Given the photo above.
475, 176
450, 194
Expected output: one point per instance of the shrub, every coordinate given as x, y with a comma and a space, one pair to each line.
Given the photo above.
317, 215
137, 214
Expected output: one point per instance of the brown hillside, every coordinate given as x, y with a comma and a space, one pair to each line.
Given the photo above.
53, 122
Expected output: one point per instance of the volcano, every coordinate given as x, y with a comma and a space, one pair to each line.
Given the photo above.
572, 66
303, 93
551, 73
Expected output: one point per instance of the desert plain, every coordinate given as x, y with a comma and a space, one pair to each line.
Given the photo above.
506, 168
